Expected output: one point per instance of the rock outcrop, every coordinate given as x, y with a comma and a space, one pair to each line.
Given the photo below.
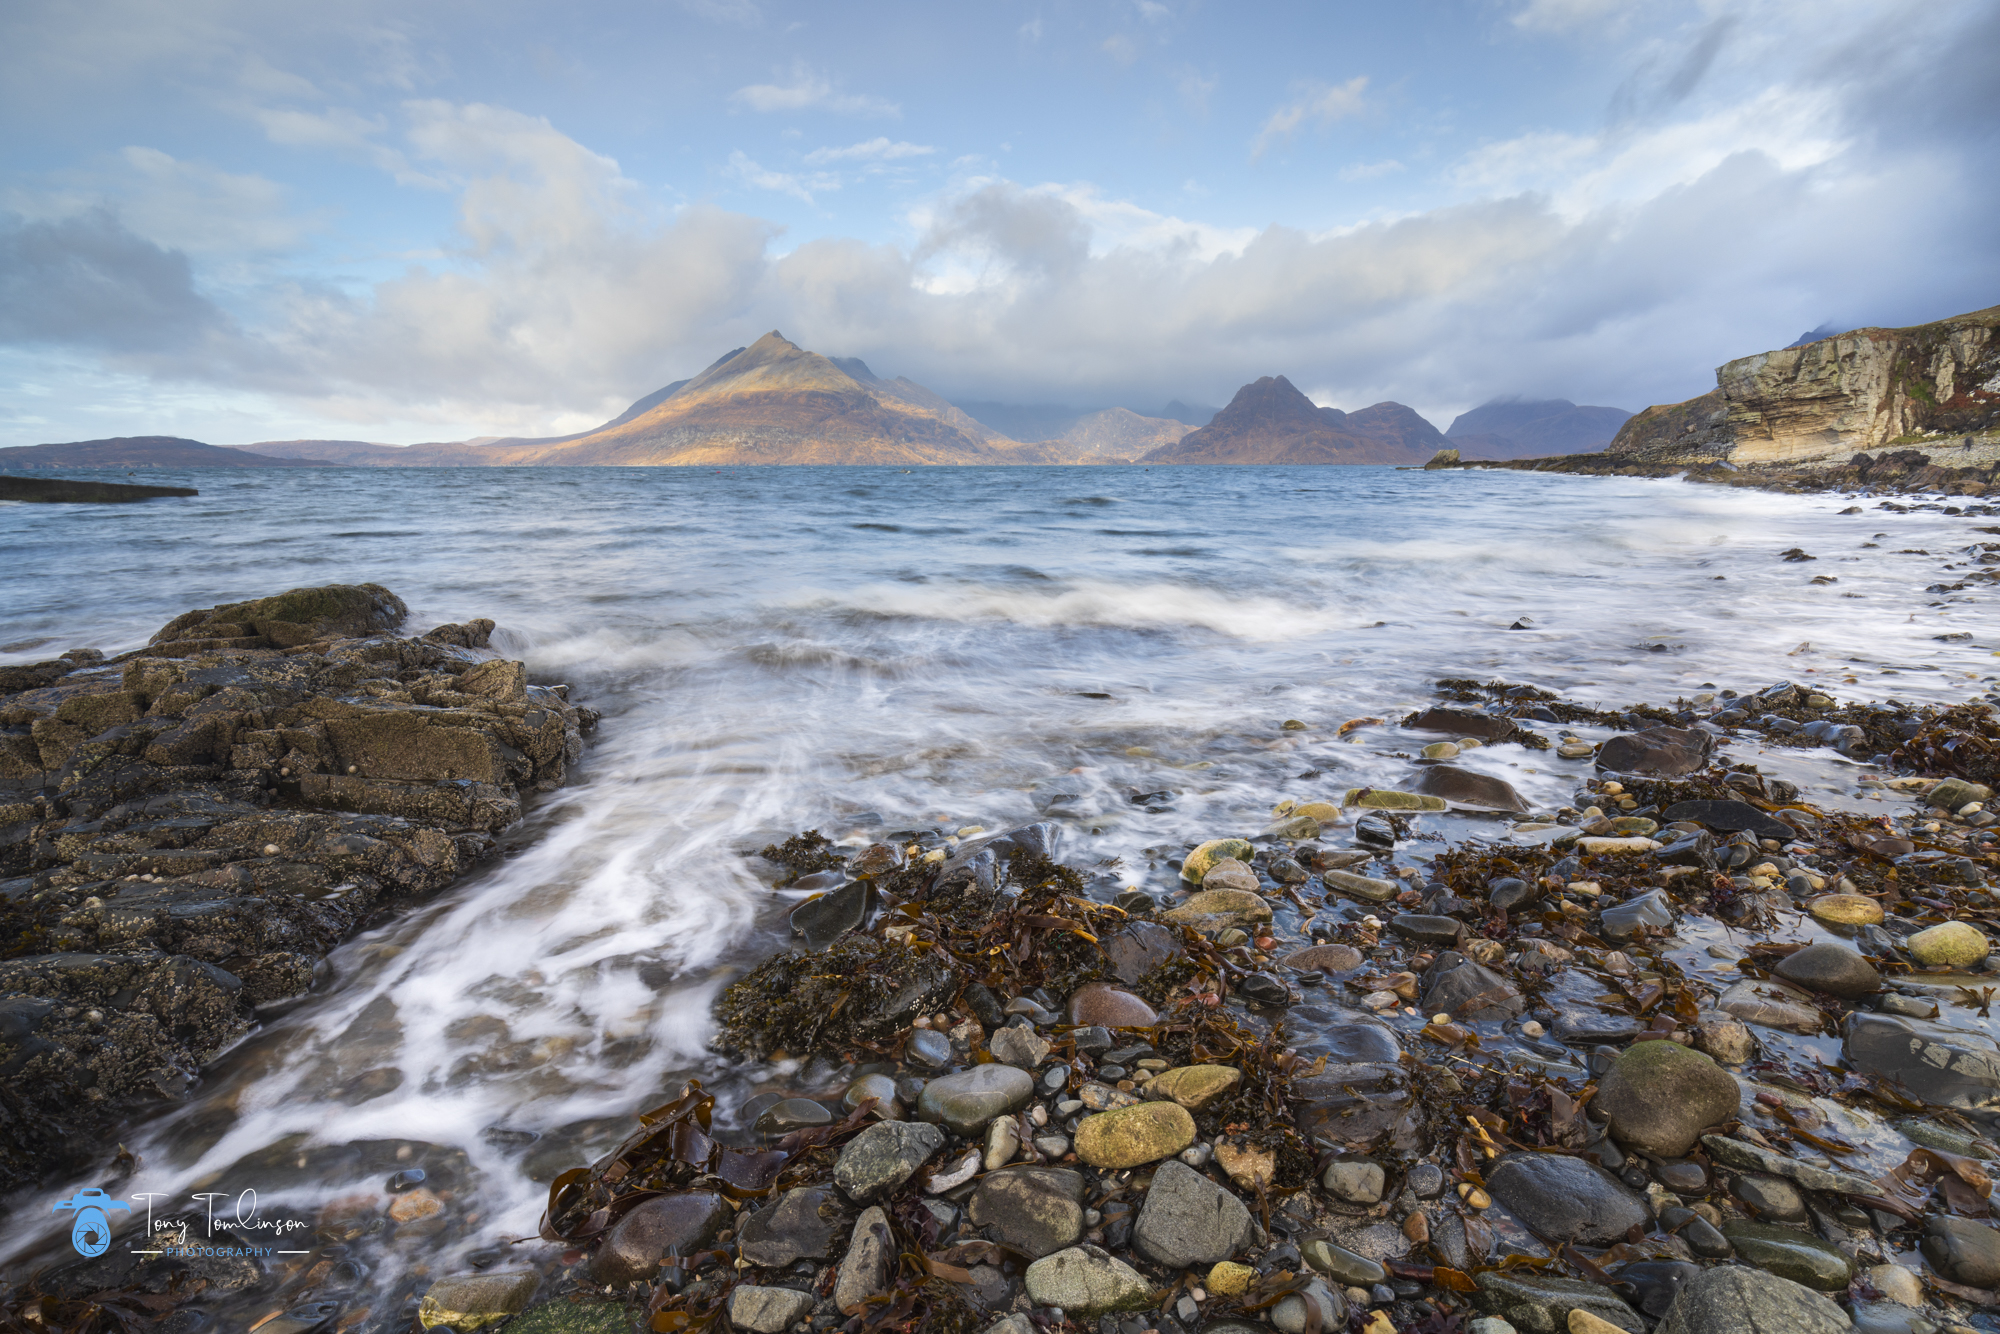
1936, 386
189, 828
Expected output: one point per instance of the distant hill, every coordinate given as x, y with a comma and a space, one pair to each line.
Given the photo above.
1811, 336
1270, 421
1115, 435
363, 454
771, 402
1026, 421
1195, 414
144, 451
1060, 434
775, 402
1518, 428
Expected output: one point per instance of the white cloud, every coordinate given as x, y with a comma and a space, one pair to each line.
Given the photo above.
1120, 48
1032, 29
1616, 266
1588, 172
808, 90
1152, 11
1195, 88
743, 13
878, 149
1569, 15
742, 168
344, 131
1369, 171
1321, 102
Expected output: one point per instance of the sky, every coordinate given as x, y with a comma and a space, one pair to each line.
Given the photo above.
240, 221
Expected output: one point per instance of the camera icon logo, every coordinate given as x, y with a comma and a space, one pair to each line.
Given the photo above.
91, 1232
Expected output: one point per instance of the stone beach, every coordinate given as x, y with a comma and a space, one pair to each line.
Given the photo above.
1698, 1045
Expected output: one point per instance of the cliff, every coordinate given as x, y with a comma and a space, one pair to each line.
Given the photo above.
1933, 385
1270, 421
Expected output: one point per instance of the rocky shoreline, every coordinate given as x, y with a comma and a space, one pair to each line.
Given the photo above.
1897, 472
187, 830
1695, 1051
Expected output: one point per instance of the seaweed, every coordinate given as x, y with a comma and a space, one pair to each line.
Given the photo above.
802, 854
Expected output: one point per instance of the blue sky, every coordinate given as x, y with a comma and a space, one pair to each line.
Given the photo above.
405, 222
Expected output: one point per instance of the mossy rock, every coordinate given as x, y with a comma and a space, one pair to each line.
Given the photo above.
1660, 1096
1382, 799
334, 611
1200, 861
563, 1316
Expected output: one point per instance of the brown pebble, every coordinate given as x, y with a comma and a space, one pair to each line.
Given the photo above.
1417, 1227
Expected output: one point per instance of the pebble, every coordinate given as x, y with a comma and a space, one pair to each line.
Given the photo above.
1003, 1141
1197, 863
1231, 874
1950, 945
1133, 1136
1196, 1086
1220, 909
791, 1114
1660, 1096
1832, 968
665, 1225
1358, 1182
767, 1310
1086, 1281
928, 1049
955, 1175
883, 1157
1790, 1253
1963, 1251
1037, 1210
1229, 1279
1340, 1263
1565, 1199
1846, 909
1018, 1047
1264, 989
964, 1102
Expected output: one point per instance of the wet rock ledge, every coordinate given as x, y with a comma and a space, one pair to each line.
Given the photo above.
187, 830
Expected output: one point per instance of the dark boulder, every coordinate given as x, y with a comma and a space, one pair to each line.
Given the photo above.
1657, 752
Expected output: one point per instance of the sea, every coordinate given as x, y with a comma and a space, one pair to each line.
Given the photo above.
865, 650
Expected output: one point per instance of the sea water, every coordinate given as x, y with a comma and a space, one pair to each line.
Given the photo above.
867, 649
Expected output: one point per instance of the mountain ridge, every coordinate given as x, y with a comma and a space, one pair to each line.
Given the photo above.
1270, 422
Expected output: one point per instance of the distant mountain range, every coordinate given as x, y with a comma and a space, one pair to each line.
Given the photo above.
774, 402
1518, 428
1055, 423
144, 451
1270, 421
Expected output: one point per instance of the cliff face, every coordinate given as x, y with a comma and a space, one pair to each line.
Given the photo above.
1270, 421
1871, 389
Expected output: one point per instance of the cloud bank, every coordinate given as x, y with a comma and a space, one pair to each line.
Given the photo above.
1615, 266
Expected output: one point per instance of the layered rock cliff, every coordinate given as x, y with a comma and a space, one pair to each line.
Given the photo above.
1936, 386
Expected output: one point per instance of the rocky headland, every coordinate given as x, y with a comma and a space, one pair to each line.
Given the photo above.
186, 830
1899, 410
